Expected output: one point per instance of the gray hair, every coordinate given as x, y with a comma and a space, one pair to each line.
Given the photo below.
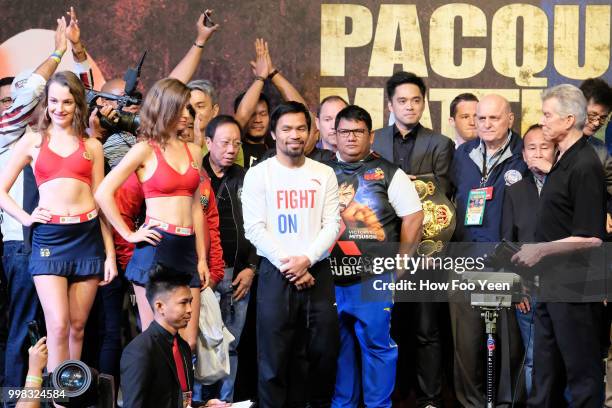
571, 101
205, 86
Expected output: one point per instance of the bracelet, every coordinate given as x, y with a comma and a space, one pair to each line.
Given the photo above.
276, 71
260, 78
34, 379
198, 45
58, 53
55, 58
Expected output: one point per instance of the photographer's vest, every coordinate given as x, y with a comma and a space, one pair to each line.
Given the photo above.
369, 226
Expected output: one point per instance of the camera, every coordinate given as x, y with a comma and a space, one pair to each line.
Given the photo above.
123, 121
82, 386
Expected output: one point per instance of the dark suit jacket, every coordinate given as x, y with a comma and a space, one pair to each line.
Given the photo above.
519, 213
432, 153
148, 372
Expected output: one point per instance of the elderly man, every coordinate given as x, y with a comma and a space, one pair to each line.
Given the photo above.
570, 217
484, 167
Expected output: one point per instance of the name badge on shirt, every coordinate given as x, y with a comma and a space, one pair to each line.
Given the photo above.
475, 207
488, 190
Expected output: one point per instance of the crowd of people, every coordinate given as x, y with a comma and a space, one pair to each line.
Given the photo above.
258, 205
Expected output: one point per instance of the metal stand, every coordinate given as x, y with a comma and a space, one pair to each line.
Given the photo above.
490, 316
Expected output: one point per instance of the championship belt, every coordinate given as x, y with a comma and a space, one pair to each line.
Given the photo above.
439, 215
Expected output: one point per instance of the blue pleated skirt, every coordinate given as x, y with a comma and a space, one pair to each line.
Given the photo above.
69, 250
177, 252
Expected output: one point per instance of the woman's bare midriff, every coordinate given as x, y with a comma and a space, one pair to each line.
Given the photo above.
66, 196
173, 210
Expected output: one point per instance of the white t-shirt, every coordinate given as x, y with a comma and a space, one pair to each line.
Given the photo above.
291, 211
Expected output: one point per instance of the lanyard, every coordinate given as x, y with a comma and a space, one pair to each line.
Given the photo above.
487, 172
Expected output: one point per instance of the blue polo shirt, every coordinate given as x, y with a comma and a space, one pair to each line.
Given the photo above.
466, 174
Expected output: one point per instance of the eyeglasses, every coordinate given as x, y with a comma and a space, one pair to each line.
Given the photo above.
601, 119
358, 133
8, 100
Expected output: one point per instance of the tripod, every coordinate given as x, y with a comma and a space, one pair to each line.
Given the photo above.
490, 315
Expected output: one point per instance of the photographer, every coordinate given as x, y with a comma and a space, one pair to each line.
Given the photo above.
117, 140
37, 362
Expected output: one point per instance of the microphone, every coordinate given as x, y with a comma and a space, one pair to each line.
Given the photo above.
132, 75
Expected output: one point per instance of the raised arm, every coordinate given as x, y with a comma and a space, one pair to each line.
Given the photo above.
261, 70
290, 93
49, 65
188, 65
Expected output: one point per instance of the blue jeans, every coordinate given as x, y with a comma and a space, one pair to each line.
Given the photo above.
527, 327
234, 316
24, 306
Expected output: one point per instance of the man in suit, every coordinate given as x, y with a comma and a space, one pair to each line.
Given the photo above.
519, 222
418, 151
407, 143
156, 367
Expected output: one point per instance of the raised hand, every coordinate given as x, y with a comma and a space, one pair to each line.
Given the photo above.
204, 32
61, 43
73, 32
268, 57
260, 66
38, 355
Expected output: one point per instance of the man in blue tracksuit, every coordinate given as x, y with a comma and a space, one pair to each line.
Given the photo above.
379, 206
481, 171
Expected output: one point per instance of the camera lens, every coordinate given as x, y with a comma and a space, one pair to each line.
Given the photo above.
72, 378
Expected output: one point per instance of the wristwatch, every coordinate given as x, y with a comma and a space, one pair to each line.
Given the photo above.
253, 267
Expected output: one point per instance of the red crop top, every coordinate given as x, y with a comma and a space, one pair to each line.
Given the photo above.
51, 165
167, 182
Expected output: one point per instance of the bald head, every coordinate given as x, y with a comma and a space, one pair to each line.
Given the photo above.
115, 86
494, 119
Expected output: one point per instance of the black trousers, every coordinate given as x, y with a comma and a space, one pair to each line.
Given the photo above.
297, 339
418, 324
469, 342
567, 351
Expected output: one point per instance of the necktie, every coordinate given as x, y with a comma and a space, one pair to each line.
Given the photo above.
178, 361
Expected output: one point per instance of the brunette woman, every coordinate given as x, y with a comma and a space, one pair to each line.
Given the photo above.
168, 169
72, 250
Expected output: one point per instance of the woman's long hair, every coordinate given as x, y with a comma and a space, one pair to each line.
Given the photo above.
162, 109
77, 90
